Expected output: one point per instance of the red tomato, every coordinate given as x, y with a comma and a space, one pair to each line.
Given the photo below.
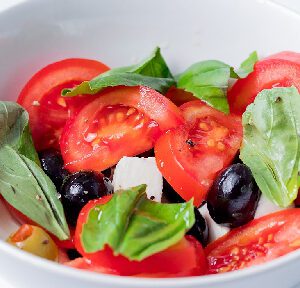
279, 70
179, 96
121, 121
259, 241
41, 97
167, 263
190, 157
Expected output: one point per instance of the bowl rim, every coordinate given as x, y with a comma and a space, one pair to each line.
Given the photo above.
120, 281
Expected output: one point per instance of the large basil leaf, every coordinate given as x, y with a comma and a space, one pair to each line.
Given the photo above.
134, 226
208, 81
25, 186
271, 144
153, 72
14, 129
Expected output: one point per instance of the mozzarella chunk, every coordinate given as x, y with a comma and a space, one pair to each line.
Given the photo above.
133, 171
215, 230
266, 206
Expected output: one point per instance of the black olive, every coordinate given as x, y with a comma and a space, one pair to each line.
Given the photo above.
233, 198
78, 189
169, 194
73, 254
53, 165
200, 228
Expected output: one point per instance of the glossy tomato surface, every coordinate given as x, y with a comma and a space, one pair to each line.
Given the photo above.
185, 258
260, 241
191, 156
121, 121
279, 70
41, 97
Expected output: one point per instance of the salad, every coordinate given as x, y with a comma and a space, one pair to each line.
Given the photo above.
134, 171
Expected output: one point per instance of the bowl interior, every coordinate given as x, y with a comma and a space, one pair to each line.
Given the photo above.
36, 33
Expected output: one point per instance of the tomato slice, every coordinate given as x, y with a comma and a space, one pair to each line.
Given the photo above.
168, 263
259, 241
41, 97
279, 70
121, 121
179, 96
191, 156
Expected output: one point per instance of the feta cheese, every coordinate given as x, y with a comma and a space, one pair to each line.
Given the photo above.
133, 171
215, 230
266, 206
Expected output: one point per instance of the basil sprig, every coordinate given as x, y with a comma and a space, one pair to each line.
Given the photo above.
208, 80
152, 72
134, 226
23, 183
271, 144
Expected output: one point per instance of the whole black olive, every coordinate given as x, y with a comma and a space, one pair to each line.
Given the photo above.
200, 228
78, 189
233, 198
53, 165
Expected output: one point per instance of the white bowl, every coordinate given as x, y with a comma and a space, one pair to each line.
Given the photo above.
36, 33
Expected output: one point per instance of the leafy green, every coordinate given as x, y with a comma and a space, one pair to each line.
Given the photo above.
271, 146
246, 67
14, 129
134, 226
25, 186
153, 72
208, 81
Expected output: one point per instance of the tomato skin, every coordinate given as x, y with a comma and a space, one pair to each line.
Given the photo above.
279, 70
190, 157
125, 121
179, 96
259, 241
167, 263
41, 97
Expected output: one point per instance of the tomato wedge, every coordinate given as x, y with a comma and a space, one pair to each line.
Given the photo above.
168, 263
260, 241
191, 156
41, 97
279, 70
179, 96
121, 121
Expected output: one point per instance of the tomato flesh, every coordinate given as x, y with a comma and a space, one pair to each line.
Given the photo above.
279, 70
167, 263
260, 241
41, 97
121, 121
191, 156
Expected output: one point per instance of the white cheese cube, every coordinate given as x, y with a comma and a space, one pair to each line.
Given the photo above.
133, 171
215, 230
266, 206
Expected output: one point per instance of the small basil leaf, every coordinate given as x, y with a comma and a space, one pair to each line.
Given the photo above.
153, 72
246, 67
134, 226
271, 144
208, 81
14, 129
26, 187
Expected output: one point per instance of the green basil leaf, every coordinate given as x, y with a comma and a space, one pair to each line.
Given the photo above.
246, 67
208, 81
25, 186
153, 72
134, 226
271, 144
14, 129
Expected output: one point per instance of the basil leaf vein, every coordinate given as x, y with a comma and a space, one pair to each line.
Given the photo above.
271, 146
134, 226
